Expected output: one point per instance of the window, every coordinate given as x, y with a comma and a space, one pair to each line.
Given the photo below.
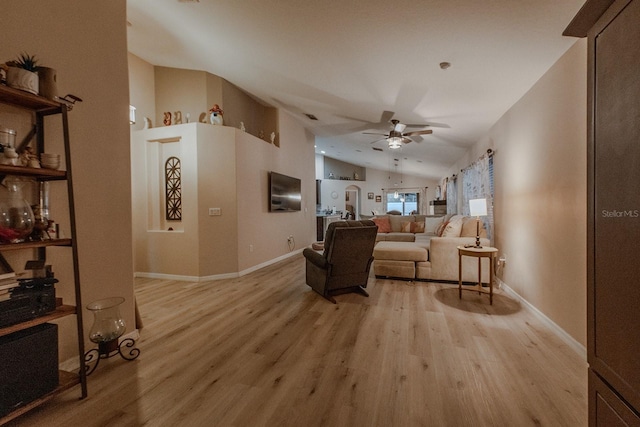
407, 203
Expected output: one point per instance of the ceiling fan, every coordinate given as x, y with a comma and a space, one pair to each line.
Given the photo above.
397, 136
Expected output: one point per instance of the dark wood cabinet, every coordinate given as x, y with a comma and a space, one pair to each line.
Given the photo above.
613, 235
606, 408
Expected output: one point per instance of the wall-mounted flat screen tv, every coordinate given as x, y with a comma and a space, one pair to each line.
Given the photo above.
284, 193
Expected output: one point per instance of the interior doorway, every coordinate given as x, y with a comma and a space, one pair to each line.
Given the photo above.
352, 201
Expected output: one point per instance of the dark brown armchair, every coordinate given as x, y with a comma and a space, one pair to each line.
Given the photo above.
344, 265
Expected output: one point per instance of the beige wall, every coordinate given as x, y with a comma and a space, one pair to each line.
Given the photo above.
217, 165
180, 90
231, 174
142, 90
66, 35
268, 231
375, 182
240, 107
540, 193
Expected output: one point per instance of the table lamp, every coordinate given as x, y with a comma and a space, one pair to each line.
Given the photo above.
478, 208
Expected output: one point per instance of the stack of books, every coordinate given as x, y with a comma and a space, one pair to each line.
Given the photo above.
8, 281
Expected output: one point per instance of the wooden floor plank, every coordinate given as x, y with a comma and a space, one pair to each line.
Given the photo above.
265, 350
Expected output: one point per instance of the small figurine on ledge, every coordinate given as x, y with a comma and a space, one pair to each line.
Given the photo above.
215, 115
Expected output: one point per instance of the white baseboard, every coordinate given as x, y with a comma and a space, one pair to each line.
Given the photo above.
73, 364
182, 278
267, 263
148, 275
561, 333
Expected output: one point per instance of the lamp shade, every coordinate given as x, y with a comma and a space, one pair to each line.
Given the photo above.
478, 207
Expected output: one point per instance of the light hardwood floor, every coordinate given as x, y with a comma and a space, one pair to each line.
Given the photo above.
265, 350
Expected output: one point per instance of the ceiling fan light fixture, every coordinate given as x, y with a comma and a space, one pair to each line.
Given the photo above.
394, 142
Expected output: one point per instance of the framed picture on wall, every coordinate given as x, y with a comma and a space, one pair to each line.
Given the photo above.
378, 199
370, 196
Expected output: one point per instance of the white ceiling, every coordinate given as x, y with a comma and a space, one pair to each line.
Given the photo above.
347, 62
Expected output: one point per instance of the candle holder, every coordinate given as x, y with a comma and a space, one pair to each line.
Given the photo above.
108, 327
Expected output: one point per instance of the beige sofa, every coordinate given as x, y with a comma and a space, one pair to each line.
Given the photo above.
435, 258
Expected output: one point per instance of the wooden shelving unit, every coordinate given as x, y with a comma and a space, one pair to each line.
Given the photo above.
67, 380
45, 107
61, 311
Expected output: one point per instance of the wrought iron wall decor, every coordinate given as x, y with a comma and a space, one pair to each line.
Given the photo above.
173, 189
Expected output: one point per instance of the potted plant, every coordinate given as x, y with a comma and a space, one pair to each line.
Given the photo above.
22, 73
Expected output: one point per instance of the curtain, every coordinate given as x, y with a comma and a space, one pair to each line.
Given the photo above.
477, 184
452, 196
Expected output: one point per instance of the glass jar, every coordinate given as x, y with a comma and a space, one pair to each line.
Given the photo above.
16, 216
108, 324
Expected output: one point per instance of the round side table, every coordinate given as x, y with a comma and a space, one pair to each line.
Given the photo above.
481, 252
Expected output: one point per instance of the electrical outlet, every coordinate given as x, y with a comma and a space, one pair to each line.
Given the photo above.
215, 211
250, 248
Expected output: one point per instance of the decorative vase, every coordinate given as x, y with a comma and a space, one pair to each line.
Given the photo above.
216, 119
108, 324
22, 79
16, 216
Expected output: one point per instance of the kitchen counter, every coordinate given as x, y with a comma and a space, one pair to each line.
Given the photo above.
322, 222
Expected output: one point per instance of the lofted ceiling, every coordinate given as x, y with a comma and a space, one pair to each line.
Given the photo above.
355, 64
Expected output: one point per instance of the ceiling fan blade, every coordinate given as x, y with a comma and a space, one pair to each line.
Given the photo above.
430, 124
386, 116
378, 140
374, 133
406, 140
399, 127
418, 132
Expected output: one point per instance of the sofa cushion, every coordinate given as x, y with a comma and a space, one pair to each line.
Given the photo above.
431, 223
384, 226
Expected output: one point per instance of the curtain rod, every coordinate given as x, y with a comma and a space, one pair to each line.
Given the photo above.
490, 153
404, 188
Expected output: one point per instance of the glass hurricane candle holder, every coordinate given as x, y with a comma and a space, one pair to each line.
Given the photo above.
108, 327
16, 216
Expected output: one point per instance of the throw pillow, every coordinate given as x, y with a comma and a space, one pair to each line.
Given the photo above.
384, 226
406, 227
432, 223
441, 228
454, 227
469, 228
416, 227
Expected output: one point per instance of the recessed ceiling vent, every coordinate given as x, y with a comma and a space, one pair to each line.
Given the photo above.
311, 116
